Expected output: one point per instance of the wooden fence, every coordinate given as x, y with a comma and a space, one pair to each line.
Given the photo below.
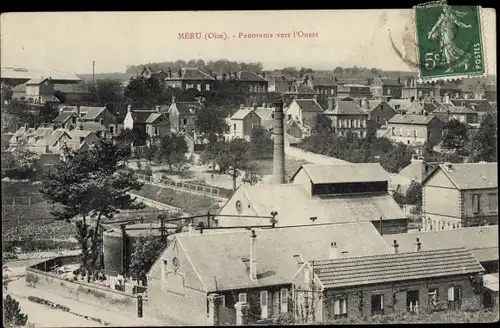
188, 187
23, 201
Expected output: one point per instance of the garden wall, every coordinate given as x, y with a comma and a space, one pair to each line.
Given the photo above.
82, 291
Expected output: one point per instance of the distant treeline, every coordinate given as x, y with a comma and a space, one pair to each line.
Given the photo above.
222, 65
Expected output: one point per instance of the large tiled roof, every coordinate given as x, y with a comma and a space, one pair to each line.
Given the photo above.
323, 81
250, 77
359, 271
301, 89
265, 113
411, 119
352, 80
218, 256
471, 175
63, 116
481, 241
295, 206
51, 139
308, 105
192, 73
154, 117
344, 173
479, 105
87, 113
23, 73
36, 80
346, 107
142, 116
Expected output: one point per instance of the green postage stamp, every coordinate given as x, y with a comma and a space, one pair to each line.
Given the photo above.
449, 42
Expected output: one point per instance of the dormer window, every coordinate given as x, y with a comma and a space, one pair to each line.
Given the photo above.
73, 120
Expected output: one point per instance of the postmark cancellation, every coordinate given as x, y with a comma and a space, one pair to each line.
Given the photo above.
449, 41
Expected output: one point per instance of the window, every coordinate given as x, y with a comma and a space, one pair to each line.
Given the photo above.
400, 132
207, 87
234, 128
428, 134
198, 87
306, 276
352, 123
433, 297
101, 121
378, 304
493, 202
111, 129
340, 308
454, 298
156, 131
73, 120
378, 119
284, 300
242, 297
164, 269
412, 300
389, 92
415, 134
475, 203
393, 130
263, 304
185, 121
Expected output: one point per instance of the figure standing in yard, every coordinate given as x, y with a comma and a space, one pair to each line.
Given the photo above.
444, 32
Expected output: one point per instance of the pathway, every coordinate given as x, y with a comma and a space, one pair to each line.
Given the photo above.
312, 158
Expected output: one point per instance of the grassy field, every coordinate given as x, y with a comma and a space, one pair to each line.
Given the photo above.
265, 166
189, 203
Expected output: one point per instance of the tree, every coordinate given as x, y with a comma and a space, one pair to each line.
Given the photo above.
483, 143
414, 194
60, 95
172, 150
290, 71
323, 125
261, 144
21, 164
136, 136
89, 186
211, 120
455, 134
143, 90
235, 158
145, 252
251, 178
338, 70
12, 315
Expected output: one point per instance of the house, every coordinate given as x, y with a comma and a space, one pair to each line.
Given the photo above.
243, 122
297, 130
15, 75
412, 129
152, 122
19, 92
356, 287
387, 88
353, 91
490, 291
304, 111
148, 73
481, 106
278, 83
381, 113
99, 115
190, 142
67, 119
451, 90
447, 111
325, 86
198, 272
190, 78
347, 116
416, 90
71, 93
426, 105
40, 91
253, 85
320, 194
482, 242
266, 114
460, 195
182, 115
298, 90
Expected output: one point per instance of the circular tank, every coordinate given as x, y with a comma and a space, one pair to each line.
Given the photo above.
118, 250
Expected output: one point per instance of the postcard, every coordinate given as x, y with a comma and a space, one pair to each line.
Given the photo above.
249, 167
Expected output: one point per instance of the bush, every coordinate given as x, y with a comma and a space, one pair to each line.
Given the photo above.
20, 174
12, 314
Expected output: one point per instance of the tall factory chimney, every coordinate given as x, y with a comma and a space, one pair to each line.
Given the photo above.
279, 145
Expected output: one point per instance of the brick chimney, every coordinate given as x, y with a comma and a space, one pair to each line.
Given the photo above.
279, 145
263, 75
78, 109
129, 108
418, 245
333, 253
395, 246
255, 106
253, 260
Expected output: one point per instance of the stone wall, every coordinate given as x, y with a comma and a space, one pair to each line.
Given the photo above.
82, 291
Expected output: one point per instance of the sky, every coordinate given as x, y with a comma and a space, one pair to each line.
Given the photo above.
72, 41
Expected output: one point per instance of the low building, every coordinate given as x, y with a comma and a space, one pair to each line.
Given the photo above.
71, 93
413, 129
462, 114
98, 115
182, 115
152, 122
481, 106
460, 195
357, 287
490, 291
482, 242
190, 78
243, 122
40, 91
324, 85
254, 267
320, 194
15, 75
347, 116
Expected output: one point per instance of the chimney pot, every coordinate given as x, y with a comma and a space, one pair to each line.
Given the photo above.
448, 165
396, 247
418, 245
255, 106
334, 251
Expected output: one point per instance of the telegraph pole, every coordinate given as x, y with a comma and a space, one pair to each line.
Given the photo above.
93, 72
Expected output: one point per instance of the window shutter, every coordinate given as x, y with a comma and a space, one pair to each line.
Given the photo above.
242, 297
381, 302
450, 294
284, 300
336, 307
344, 306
